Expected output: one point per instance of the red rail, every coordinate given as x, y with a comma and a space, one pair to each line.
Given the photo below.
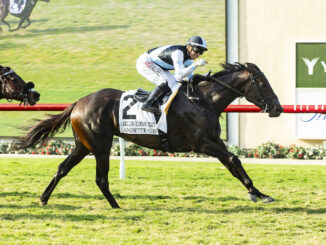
230, 108
286, 108
37, 107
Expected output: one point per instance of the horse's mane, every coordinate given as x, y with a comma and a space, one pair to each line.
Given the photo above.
231, 68
227, 69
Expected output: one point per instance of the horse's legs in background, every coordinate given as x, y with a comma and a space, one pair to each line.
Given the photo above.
6, 24
103, 166
233, 164
28, 23
78, 153
19, 25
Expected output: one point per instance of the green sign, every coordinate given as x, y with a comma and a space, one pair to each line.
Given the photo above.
310, 65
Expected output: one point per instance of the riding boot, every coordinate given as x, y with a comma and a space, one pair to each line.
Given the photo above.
158, 93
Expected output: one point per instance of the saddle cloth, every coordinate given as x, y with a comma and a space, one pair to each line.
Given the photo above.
17, 6
133, 120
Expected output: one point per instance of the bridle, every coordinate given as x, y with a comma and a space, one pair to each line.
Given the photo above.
253, 76
8, 87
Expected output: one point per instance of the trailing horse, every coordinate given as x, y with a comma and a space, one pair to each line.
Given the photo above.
193, 125
13, 87
23, 14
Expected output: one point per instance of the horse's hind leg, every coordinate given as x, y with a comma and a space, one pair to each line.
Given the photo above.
103, 167
72, 160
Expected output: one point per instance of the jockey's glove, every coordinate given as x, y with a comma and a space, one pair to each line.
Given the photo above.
200, 62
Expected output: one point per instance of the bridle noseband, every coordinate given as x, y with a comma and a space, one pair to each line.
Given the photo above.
261, 102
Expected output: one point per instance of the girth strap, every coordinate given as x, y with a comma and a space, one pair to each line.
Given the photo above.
164, 141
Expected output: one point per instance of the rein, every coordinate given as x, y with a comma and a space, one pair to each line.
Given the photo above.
260, 104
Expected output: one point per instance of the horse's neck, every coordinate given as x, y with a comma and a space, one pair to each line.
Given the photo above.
218, 96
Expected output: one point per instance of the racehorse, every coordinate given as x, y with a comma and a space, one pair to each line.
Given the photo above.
24, 15
13, 87
193, 125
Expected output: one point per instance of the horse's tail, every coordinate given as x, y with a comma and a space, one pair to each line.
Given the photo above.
46, 129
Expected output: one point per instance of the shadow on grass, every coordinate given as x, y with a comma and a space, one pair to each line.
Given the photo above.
16, 21
55, 206
58, 195
18, 194
194, 198
55, 31
231, 210
63, 217
197, 199
68, 217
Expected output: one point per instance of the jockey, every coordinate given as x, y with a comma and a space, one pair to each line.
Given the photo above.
156, 63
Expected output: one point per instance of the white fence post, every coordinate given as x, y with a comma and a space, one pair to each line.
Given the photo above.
122, 158
232, 56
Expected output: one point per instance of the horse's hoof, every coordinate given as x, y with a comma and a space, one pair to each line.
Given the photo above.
252, 197
44, 203
267, 200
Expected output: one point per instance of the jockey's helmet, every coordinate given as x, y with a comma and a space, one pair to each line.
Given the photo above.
198, 44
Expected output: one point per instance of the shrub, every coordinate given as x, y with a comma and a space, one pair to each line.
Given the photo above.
266, 150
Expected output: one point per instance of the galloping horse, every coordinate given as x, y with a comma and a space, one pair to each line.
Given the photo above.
13, 87
24, 15
193, 125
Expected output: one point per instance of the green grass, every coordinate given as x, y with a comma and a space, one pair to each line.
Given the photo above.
74, 47
162, 203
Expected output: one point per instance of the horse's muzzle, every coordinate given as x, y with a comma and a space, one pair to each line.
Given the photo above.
33, 97
276, 109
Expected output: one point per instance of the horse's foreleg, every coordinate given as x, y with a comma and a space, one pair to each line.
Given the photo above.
237, 170
233, 164
72, 160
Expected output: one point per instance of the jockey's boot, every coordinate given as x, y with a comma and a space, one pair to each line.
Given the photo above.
158, 93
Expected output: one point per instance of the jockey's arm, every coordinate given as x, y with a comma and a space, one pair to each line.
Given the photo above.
180, 70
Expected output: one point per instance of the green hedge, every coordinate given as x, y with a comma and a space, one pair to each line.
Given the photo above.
267, 150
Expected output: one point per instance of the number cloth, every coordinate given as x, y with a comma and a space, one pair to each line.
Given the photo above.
133, 120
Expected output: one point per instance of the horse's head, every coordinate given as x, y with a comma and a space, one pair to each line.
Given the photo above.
258, 90
13, 87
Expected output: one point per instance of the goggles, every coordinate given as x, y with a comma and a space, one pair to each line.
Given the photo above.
198, 50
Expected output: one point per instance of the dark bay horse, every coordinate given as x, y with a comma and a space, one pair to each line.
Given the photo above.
24, 15
13, 87
193, 125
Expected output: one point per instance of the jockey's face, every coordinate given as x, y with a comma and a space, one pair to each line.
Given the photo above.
193, 55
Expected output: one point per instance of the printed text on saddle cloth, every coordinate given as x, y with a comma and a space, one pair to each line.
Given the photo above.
133, 120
